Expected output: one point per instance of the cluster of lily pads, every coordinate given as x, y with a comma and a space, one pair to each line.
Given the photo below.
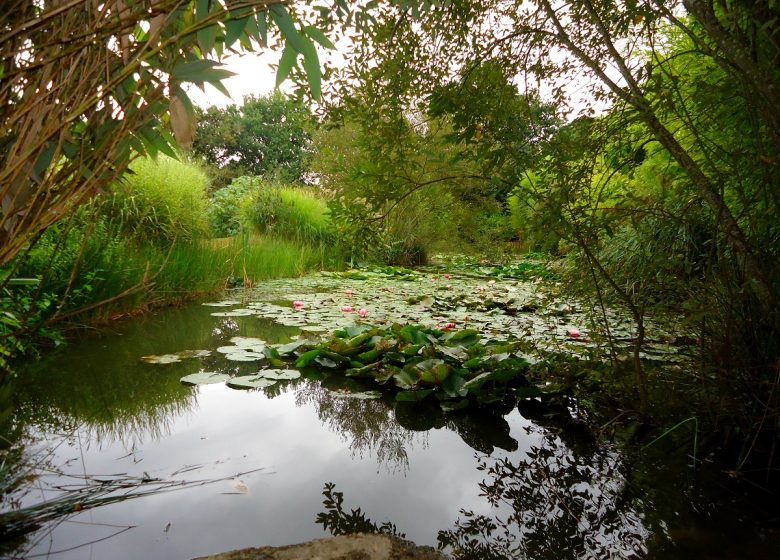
457, 367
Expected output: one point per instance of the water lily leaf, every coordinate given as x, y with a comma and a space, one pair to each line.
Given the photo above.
362, 395
454, 352
307, 358
395, 357
362, 371
280, 374
412, 396
473, 363
204, 378
187, 354
163, 359
451, 406
464, 337
453, 386
289, 348
225, 303
250, 382
478, 381
246, 341
244, 357
324, 361
229, 349
406, 379
234, 313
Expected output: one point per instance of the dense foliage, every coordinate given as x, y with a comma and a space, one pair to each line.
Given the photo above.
639, 137
87, 86
265, 136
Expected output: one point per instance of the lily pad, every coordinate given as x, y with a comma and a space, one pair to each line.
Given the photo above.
234, 313
225, 303
244, 357
204, 378
250, 382
186, 354
246, 341
163, 359
280, 374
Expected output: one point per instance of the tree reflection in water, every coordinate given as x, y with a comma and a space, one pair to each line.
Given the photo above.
561, 499
368, 425
556, 503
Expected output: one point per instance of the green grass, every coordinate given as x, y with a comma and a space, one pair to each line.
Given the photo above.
160, 201
197, 268
290, 212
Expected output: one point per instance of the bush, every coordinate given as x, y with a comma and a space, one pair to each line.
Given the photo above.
288, 212
160, 201
224, 212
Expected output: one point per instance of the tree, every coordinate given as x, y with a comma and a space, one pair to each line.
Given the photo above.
602, 45
264, 136
86, 86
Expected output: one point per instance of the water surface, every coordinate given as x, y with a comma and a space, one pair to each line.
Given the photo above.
95, 409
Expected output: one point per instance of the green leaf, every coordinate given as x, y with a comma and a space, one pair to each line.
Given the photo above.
405, 379
199, 71
286, 25
204, 378
44, 159
478, 381
250, 382
311, 63
453, 386
262, 28
280, 374
307, 358
234, 28
412, 396
286, 63
207, 37
319, 36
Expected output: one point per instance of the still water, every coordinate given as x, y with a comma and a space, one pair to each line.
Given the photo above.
257, 462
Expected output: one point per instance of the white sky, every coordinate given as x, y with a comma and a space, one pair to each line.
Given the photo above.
254, 76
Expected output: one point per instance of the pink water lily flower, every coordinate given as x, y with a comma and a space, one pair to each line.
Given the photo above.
449, 326
363, 312
297, 304
347, 309
574, 333
446, 276
449, 286
349, 292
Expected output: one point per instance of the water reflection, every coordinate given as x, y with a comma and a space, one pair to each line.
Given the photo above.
368, 425
558, 503
535, 490
553, 503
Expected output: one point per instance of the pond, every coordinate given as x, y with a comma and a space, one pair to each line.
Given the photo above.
191, 470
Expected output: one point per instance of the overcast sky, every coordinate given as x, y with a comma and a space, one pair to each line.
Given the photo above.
254, 76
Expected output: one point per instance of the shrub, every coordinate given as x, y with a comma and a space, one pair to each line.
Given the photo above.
160, 201
288, 212
224, 212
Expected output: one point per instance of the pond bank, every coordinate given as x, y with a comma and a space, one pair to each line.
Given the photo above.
345, 547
